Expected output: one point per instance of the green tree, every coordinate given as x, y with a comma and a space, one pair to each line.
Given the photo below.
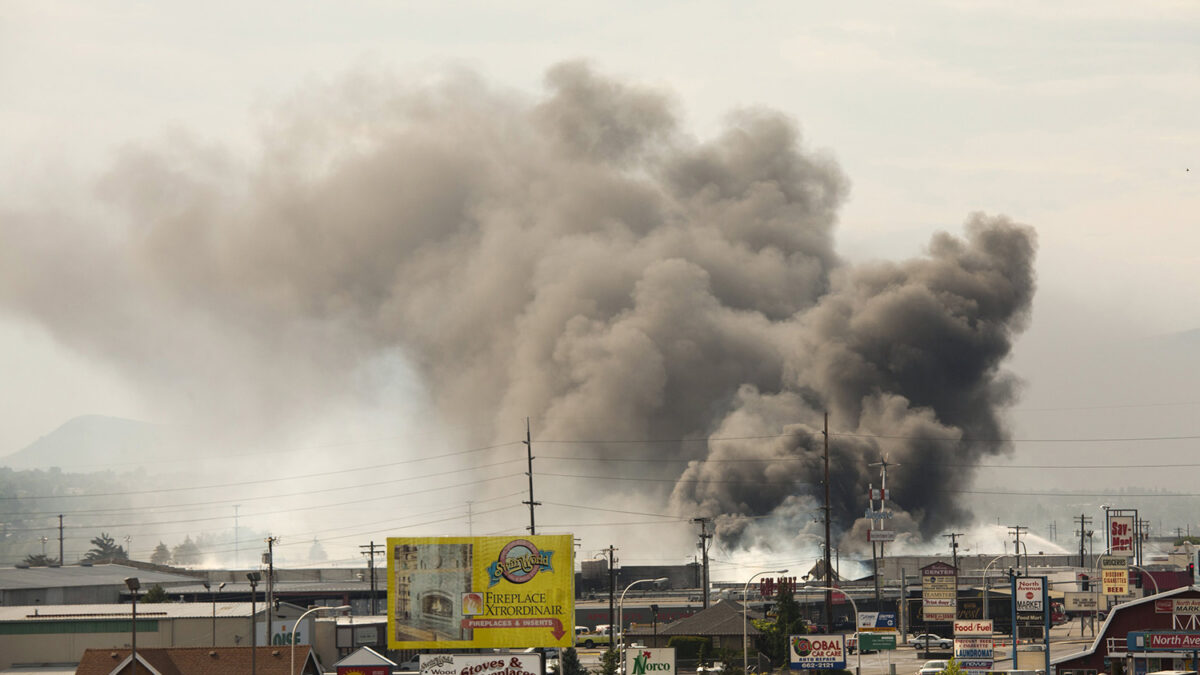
40, 560
609, 661
571, 665
186, 553
953, 667
156, 594
787, 622
104, 548
161, 555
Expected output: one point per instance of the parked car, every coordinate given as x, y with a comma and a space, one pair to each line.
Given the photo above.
933, 667
930, 640
717, 668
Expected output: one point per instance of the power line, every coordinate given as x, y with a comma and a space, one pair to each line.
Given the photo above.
1094, 439
771, 460
310, 507
322, 474
216, 502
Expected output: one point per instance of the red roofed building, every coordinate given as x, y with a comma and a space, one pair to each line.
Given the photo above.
1174, 611
199, 661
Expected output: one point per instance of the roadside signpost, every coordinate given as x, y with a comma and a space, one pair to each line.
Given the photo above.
973, 644
1114, 574
817, 652
1030, 595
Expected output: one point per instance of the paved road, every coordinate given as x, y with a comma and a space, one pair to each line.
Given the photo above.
907, 660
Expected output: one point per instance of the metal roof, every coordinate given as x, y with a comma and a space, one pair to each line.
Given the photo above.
16, 578
354, 620
159, 610
280, 587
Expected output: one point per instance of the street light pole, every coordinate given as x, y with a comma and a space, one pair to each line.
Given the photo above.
745, 603
986, 589
254, 578
1146, 575
621, 615
296, 626
213, 597
854, 606
133, 585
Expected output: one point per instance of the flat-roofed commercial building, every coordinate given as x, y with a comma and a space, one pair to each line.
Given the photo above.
59, 634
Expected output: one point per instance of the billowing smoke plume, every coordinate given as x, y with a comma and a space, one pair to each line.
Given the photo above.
580, 260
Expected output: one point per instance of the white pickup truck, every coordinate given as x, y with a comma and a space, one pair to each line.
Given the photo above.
587, 639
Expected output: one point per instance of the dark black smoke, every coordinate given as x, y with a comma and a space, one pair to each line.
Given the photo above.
906, 358
580, 260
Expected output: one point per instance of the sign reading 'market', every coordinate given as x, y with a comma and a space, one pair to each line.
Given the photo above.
1029, 594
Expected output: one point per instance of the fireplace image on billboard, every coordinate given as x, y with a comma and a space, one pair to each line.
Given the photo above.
430, 581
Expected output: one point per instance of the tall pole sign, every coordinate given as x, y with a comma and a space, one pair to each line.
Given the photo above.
877, 534
1114, 574
1123, 532
939, 592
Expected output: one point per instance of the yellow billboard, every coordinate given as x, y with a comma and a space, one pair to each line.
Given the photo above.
480, 592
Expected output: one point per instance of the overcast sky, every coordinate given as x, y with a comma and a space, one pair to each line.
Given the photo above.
1077, 119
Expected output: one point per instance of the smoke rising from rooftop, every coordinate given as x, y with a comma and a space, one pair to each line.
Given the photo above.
578, 259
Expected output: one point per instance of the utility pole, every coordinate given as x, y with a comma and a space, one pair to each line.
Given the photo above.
61, 560
370, 552
705, 542
954, 546
1016, 530
1084, 521
828, 569
877, 522
529, 456
237, 558
270, 560
612, 593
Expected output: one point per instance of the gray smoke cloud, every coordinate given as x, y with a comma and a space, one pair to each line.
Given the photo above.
581, 260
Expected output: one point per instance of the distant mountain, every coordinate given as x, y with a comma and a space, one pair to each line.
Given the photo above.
92, 443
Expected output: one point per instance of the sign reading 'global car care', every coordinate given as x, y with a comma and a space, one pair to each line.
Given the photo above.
817, 652
480, 592
643, 661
